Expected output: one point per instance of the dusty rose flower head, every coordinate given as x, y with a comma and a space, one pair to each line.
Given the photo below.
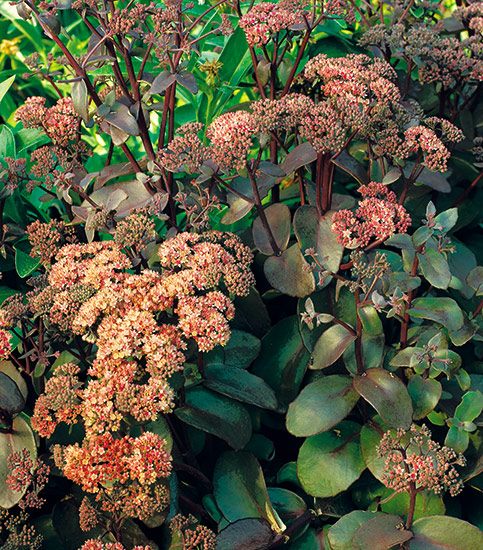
59, 402
424, 140
193, 534
413, 458
28, 474
231, 137
58, 122
135, 230
46, 239
280, 114
378, 216
185, 152
265, 19
323, 128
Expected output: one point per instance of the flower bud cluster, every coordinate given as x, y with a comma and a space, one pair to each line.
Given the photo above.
27, 475
378, 216
46, 239
413, 459
265, 19
185, 152
193, 534
59, 122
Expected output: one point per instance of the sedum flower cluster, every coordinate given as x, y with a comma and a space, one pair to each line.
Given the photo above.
27, 474
266, 19
141, 325
56, 163
413, 458
357, 96
378, 216
193, 535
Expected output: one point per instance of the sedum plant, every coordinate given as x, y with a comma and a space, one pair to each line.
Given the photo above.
241, 305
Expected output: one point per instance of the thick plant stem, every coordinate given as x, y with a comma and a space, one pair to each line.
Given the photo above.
412, 504
323, 183
405, 324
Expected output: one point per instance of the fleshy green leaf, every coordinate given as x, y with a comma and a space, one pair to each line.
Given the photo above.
330, 462
216, 414
288, 273
388, 395
444, 533
240, 385
315, 232
435, 268
370, 439
341, 533
380, 533
330, 346
240, 351
278, 217
283, 360
470, 407
11, 399
240, 490
321, 405
425, 394
245, 534
442, 310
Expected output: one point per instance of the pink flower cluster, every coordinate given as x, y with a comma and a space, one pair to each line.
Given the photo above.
91, 293
424, 140
412, 458
231, 137
265, 19
59, 122
185, 152
378, 216
5, 344
46, 239
193, 535
27, 474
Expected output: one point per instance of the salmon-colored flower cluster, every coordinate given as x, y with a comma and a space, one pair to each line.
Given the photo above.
414, 458
424, 140
47, 239
141, 325
377, 217
265, 19
193, 534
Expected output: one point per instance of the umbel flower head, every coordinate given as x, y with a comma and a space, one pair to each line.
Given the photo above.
378, 216
413, 459
267, 18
